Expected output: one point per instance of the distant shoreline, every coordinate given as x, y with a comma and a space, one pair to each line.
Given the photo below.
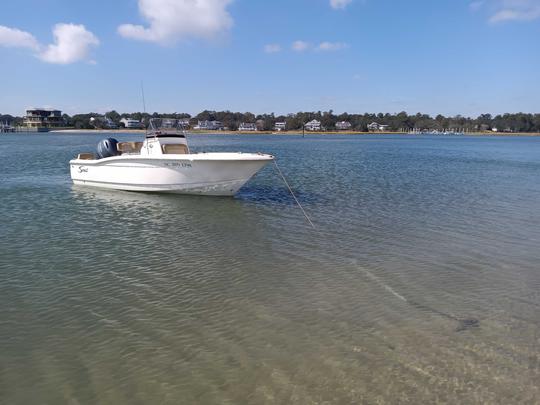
285, 133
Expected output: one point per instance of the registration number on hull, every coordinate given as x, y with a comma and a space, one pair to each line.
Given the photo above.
178, 164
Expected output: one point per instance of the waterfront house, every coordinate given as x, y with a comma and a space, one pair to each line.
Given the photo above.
313, 125
343, 126
280, 126
375, 127
184, 123
483, 127
247, 126
103, 122
131, 123
209, 125
43, 118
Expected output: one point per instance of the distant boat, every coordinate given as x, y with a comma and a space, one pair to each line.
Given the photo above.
164, 163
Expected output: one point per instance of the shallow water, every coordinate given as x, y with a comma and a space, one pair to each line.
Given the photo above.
421, 284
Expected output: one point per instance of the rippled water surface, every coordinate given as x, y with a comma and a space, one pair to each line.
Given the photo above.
421, 284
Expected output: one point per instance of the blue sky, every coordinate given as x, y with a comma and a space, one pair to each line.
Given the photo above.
449, 57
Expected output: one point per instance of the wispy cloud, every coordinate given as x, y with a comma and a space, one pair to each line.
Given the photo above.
72, 43
15, 38
508, 10
332, 46
517, 10
272, 48
300, 46
170, 21
325, 46
476, 5
339, 4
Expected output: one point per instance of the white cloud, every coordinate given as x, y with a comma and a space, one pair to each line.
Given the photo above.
15, 38
508, 10
339, 4
332, 46
300, 46
517, 10
272, 48
476, 5
325, 46
72, 43
172, 20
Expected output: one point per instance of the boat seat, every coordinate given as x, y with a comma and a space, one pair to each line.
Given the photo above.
129, 147
85, 156
174, 149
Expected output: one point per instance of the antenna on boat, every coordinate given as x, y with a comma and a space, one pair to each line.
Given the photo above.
143, 100
144, 105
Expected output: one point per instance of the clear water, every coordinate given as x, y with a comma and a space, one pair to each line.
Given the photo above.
421, 284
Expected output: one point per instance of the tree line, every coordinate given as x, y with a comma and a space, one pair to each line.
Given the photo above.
518, 122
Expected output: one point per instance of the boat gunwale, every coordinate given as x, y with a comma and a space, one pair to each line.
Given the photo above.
199, 157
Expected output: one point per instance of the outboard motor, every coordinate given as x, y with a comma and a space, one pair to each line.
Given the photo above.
107, 148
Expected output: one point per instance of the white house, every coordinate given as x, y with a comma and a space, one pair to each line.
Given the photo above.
131, 123
280, 126
209, 125
343, 125
313, 125
184, 122
103, 122
375, 127
247, 126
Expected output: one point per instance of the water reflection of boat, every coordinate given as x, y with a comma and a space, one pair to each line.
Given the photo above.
166, 210
163, 163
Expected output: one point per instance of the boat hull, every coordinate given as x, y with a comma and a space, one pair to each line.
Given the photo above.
217, 174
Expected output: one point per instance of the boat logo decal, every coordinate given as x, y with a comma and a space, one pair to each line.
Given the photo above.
83, 169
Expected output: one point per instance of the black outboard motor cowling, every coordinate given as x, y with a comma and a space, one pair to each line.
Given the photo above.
107, 148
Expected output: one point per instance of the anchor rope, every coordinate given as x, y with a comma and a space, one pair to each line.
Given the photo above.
293, 195
464, 323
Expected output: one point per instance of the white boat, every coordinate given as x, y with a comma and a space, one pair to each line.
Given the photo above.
164, 163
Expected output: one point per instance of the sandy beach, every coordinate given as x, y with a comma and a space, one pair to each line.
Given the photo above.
296, 133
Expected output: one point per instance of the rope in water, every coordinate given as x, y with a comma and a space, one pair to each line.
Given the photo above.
293, 195
464, 323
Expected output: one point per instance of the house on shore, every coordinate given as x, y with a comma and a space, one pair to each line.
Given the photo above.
375, 127
184, 123
131, 123
343, 126
247, 126
43, 118
313, 125
280, 126
103, 122
209, 125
